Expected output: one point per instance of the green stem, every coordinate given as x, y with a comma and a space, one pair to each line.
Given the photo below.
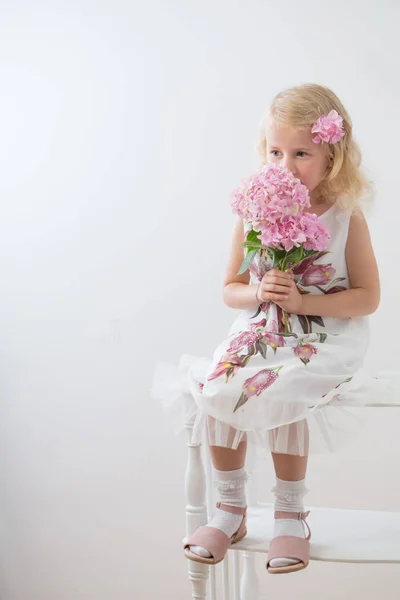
285, 321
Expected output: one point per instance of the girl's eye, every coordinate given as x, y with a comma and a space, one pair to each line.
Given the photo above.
300, 153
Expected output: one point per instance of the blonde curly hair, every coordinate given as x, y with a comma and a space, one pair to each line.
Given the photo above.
345, 182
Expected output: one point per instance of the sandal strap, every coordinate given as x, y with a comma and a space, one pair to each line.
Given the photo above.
235, 510
298, 516
280, 514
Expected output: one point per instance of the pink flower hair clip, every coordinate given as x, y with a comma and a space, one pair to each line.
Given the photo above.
328, 128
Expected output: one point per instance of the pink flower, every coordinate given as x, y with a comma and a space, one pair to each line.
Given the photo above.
255, 385
268, 195
255, 326
271, 338
318, 275
303, 229
328, 128
305, 352
304, 264
317, 236
272, 202
227, 362
246, 338
274, 341
286, 232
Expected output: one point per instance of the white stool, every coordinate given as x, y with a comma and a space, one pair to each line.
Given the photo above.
349, 536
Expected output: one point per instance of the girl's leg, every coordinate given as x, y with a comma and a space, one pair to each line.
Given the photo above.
290, 470
289, 467
226, 459
230, 477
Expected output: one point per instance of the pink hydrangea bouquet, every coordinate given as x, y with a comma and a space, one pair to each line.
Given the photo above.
272, 202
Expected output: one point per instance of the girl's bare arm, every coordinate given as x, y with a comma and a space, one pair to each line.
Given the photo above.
237, 292
364, 296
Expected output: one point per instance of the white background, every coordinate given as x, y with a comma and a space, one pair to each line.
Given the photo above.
124, 127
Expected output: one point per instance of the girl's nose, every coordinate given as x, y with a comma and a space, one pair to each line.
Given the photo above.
289, 164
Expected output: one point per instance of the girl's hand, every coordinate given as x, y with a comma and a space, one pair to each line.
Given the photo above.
279, 287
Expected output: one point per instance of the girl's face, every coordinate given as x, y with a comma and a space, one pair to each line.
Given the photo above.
295, 150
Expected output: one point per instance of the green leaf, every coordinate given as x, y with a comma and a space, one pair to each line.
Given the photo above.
276, 255
296, 255
305, 323
229, 373
252, 236
336, 280
272, 254
245, 359
281, 253
242, 400
262, 348
257, 313
253, 245
285, 334
247, 262
309, 253
318, 320
342, 382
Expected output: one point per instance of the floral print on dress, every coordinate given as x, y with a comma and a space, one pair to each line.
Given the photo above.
283, 323
246, 339
317, 275
305, 352
228, 365
335, 397
336, 387
260, 324
252, 340
305, 348
274, 340
257, 384
256, 342
307, 274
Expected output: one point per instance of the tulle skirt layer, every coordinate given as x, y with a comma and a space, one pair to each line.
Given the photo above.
285, 425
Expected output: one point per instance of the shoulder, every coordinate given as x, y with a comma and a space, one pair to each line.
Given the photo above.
359, 237
358, 226
354, 222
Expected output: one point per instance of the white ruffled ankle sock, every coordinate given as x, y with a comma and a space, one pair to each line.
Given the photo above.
231, 487
288, 498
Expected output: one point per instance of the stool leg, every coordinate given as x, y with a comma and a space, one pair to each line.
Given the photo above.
196, 513
250, 588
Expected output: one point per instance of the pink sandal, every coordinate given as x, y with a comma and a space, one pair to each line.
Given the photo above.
290, 546
215, 540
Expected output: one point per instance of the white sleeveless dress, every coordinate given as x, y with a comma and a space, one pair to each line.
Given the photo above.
295, 393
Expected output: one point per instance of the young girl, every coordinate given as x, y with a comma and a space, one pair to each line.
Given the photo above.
288, 396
